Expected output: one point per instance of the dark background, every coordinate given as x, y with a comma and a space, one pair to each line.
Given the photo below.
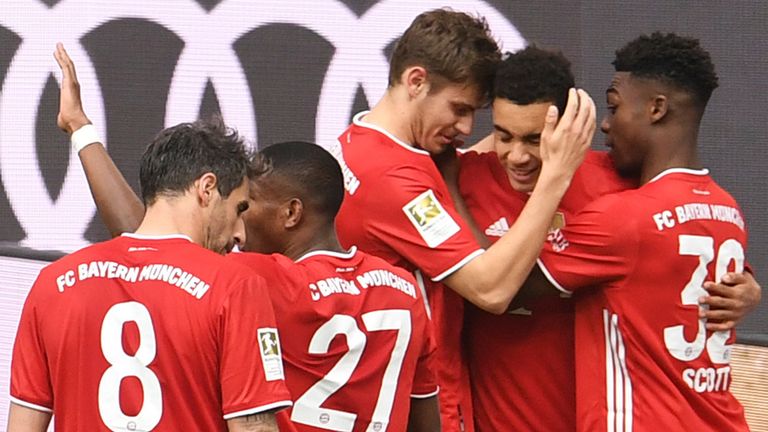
285, 66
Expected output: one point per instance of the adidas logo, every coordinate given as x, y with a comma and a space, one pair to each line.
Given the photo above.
498, 228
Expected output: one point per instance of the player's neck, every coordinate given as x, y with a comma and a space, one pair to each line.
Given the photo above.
313, 240
668, 155
168, 218
392, 114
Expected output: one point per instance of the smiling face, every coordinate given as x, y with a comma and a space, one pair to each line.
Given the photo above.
444, 115
516, 135
627, 123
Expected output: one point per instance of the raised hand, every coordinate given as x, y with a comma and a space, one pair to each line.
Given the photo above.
565, 143
71, 116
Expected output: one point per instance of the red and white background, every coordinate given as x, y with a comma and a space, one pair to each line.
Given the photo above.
281, 70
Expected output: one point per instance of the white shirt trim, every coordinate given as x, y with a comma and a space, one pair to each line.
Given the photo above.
30, 405
256, 410
426, 396
343, 255
357, 121
458, 265
157, 237
701, 172
551, 278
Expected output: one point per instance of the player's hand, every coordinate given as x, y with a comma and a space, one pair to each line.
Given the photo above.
71, 115
565, 143
730, 300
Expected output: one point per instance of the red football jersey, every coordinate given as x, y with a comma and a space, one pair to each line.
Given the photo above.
355, 337
397, 207
521, 363
644, 360
141, 333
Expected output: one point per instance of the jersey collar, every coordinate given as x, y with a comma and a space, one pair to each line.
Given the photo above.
701, 172
357, 121
157, 237
343, 255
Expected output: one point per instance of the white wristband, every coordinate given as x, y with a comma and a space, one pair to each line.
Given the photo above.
84, 136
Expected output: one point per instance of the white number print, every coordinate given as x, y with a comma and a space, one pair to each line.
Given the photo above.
124, 365
307, 409
674, 337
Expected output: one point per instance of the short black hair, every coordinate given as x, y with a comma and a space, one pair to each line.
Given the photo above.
534, 75
314, 173
675, 60
180, 154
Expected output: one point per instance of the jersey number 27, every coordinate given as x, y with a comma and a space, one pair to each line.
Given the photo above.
307, 409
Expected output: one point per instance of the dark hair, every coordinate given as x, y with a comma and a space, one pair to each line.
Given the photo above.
179, 155
672, 59
534, 75
313, 172
450, 45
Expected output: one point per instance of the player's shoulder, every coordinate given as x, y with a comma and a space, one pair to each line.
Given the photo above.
86, 254
374, 262
478, 163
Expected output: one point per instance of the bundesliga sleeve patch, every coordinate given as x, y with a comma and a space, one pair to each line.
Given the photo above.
433, 223
269, 344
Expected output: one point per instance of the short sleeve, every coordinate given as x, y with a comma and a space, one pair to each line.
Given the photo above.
30, 379
417, 219
251, 367
598, 245
424, 380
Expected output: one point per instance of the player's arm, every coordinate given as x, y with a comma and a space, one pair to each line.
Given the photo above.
261, 422
424, 415
120, 208
23, 419
492, 279
448, 164
730, 301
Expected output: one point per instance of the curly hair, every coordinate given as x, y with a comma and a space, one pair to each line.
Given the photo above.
534, 75
453, 46
676, 60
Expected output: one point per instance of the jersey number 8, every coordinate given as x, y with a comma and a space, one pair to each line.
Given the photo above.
123, 365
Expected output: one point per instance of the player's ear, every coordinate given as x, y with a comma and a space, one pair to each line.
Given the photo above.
659, 107
204, 187
415, 80
294, 212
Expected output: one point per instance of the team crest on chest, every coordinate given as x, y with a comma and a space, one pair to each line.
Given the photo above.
431, 220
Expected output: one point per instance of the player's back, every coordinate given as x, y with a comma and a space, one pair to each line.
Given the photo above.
355, 341
662, 369
136, 335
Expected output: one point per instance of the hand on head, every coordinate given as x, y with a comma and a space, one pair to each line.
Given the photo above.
565, 143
